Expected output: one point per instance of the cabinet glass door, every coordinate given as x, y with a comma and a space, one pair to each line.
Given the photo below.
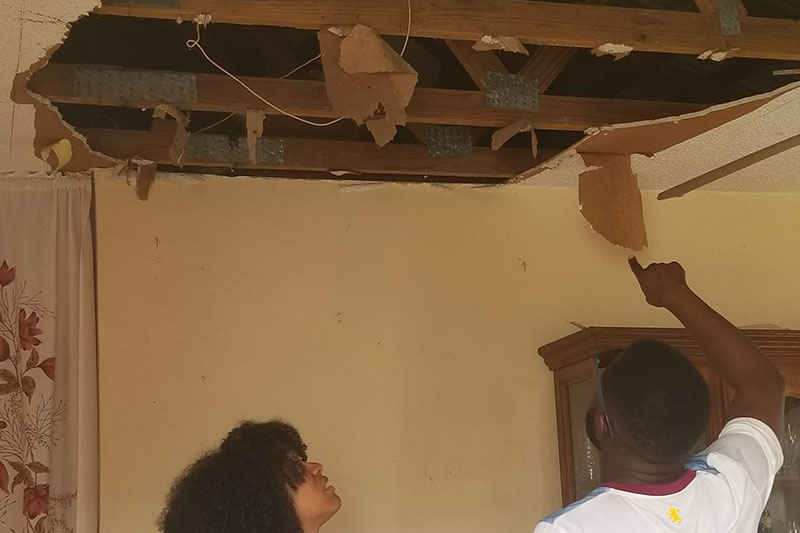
783, 509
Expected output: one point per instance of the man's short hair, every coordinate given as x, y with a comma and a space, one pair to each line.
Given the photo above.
657, 401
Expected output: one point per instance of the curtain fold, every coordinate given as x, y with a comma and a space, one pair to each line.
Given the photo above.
48, 357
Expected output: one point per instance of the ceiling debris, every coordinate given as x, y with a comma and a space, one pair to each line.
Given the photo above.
58, 154
502, 43
181, 130
145, 176
617, 51
501, 136
255, 129
717, 54
611, 202
366, 80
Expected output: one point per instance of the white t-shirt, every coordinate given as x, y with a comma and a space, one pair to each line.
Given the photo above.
724, 490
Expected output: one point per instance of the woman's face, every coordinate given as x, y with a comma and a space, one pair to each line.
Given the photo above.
316, 501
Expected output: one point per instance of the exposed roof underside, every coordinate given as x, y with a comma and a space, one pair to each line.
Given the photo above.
577, 89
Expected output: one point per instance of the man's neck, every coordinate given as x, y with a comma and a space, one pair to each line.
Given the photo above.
620, 466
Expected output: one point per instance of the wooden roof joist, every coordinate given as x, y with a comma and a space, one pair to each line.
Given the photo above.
319, 155
543, 23
214, 92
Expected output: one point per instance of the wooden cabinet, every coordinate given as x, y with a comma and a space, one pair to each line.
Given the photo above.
571, 360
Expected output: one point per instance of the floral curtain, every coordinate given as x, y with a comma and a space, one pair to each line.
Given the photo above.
48, 369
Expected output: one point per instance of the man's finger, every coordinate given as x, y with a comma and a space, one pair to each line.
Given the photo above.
635, 266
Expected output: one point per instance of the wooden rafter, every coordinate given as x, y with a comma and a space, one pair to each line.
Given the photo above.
477, 64
428, 106
533, 22
330, 155
546, 63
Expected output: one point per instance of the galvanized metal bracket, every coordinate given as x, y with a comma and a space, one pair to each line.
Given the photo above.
511, 91
448, 142
134, 86
200, 148
729, 17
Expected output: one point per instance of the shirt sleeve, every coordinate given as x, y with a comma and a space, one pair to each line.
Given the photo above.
545, 527
748, 445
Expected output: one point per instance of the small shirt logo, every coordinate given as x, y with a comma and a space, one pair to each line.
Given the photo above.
674, 515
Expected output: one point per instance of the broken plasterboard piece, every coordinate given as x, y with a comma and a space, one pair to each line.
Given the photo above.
378, 99
255, 129
202, 19
716, 55
503, 135
502, 43
181, 132
145, 176
611, 202
57, 155
617, 51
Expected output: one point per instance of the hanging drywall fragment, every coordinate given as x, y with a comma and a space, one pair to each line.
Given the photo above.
255, 129
367, 81
502, 136
58, 154
617, 51
503, 43
145, 175
717, 55
202, 19
181, 132
610, 200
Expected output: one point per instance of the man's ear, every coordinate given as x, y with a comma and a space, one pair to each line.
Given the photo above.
597, 426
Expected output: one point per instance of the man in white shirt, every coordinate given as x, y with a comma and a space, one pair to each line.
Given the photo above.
651, 408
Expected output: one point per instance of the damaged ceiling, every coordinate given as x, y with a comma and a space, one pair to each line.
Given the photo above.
485, 93
461, 104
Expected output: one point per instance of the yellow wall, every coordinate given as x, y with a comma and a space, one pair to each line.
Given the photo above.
397, 328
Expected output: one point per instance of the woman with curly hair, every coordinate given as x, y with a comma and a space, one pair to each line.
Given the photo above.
258, 481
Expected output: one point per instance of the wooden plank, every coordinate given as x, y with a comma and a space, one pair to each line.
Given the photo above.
533, 22
546, 63
327, 155
477, 64
428, 106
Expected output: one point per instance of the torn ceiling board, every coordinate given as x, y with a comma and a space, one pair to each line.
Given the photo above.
367, 81
654, 136
31, 33
611, 202
501, 43
181, 130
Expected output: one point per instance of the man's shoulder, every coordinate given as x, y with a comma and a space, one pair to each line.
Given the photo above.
580, 507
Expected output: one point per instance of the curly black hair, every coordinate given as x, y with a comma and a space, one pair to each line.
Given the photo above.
657, 400
243, 486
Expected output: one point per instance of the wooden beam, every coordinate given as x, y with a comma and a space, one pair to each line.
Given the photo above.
546, 63
477, 64
533, 22
326, 155
428, 106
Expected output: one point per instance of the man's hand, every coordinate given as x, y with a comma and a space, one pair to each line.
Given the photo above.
660, 282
